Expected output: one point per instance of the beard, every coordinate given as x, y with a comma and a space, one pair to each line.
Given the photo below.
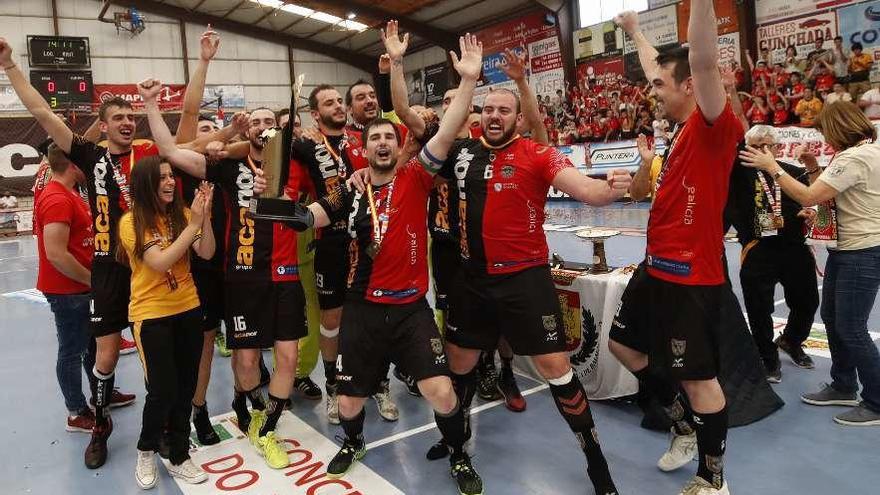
508, 133
330, 123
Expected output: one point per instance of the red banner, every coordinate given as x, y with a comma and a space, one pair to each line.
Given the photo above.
602, 69
725, 15
517, 32
170, 98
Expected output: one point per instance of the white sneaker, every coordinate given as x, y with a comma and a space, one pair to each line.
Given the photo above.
332, 407
682, 450
699, 486
188, 472
145, 470
387, 407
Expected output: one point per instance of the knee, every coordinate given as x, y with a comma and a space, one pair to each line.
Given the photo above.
552, 366
348, 407
439, 393
285, 358
247, 363
461, 361
331, 319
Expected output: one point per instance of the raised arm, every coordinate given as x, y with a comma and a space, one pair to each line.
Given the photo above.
515, 68
239, 125
187, 160
629, 22
36, 105
641, 183
703, 41
728, 79
468, 67
93, 133
192, 99
395, 47
591, 191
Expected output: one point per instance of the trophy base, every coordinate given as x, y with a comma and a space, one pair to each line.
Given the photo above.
272, 209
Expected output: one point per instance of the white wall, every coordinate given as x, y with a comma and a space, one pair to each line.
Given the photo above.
261, 67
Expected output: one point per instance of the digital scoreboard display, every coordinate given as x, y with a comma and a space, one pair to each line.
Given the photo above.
64, 89
58, 51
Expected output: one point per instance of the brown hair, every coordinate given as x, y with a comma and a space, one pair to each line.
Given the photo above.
844, 125
145, 209
681, 69
58, 160
112, 102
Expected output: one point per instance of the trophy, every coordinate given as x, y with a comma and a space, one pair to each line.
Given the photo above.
597, 237
271, 204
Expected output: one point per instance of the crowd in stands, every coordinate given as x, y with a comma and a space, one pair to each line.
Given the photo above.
780, 92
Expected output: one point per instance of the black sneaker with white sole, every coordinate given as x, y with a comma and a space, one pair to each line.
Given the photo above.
774, 372
309, 389
467, 479
351, 452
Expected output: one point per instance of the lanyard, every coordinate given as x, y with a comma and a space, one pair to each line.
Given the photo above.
164, 242
119, 177
379, 221
340, 163
774, 198
663, 167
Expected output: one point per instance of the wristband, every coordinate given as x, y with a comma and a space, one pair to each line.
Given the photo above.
779, 173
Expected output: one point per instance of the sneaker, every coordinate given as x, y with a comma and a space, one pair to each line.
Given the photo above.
796, 353
467, 479
682, 450
345, 458
117, 399
220, 340
774, 372
508, 389
411, 386
204, 429
258, 419
96, 451
387, 407
438, 451
83, 422
858, 416
487, 381
188, 472
699, 486
828, 396
126, 346
271, 450
307, 388
332, 406
145, 470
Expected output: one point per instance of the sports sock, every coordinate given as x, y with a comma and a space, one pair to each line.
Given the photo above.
571, 400
256, 397
239, 405
465, 388
669, 399
273, 413
330, 372
102, 393
452, 426
711, 443
354, 427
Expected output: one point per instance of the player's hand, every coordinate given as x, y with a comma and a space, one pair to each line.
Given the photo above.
514, 64
208, 44
384, 64
471, 62
646, 149
628, 21
395, 45
216, 151
207, 190
313, 134
358, 179
260, 183
619, 181
241, 122
302, 219
149, 89
6, 54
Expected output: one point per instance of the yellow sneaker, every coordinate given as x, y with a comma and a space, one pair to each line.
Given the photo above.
258, 419
276, 456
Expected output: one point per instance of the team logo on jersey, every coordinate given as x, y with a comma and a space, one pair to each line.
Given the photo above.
437, 346
678, 350
507, 171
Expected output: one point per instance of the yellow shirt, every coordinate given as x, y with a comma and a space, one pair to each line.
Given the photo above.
808, 110
656, 165
861, 63
152, 295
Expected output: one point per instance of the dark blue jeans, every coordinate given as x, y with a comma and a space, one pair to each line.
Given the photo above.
848, 292
76, 347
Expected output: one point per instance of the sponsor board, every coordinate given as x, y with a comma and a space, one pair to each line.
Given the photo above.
436, 83
728, 49
599, 40
171, 95
9, 101
790, 137
232, 96
603, 70
660, 27
774, 10
235, 467
801, 32
861, 24
546, 83
725, 16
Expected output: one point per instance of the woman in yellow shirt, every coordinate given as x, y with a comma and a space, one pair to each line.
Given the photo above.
155, 238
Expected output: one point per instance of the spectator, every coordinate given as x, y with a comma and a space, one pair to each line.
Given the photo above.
808, 109
839, 94
818, 54
781, 115
661, 128
792, 62
8, 201
627, 126
759, 113
780, 76
870, 102
822, 75
839, 59
795, 91
859, 71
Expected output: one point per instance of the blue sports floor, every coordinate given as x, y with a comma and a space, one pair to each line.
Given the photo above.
798, 450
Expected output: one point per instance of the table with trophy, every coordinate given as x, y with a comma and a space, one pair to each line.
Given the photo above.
589, 295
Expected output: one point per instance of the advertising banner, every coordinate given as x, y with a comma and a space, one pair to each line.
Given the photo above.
660, 27
801, 32
728, 49
9, 101
232, 96
767, 11
171, 96
601, 69
861, 24
436, 83
600, 40
725, 15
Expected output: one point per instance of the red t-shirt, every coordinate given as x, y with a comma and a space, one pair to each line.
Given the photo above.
794, 90
780, 117
824, 82
685, 228
781, 79
758, 116
56, 204
614, 124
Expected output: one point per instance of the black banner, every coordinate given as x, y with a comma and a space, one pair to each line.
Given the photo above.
436, 83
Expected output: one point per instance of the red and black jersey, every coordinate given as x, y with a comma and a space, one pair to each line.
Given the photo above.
685, 228
502, 192
256, 250
353, 147
325, 167
399, 272
107, 180
443, 206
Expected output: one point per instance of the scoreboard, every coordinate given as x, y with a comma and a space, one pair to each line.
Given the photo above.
64, 89
58, 51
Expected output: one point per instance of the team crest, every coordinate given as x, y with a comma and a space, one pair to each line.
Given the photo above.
549, 322
507, 171
678, 347
437, 346
587, 357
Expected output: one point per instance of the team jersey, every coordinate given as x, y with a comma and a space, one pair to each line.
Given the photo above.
685, 228
353, 146
399, 272
502, 192
325, 167
255, 250
443, 220
107, 180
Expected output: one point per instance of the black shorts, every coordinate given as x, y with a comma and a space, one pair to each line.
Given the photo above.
260, 313
374, 334
111, 291
522, 307
331, 270
631, 326
685, 321
209, 284
445, 264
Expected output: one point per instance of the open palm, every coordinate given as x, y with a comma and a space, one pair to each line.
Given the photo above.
395, 45
471, 62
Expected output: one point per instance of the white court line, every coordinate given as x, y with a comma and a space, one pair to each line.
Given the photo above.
782, 301
432, 425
